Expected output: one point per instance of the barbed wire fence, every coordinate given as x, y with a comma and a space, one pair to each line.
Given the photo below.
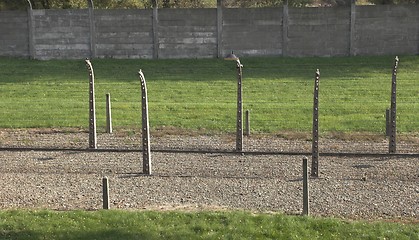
168, 136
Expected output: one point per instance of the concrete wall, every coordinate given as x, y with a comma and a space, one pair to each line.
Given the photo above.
209, 33
318, 31
123, 33
61, 34
252, 32
14, 34
387, 29
187, 33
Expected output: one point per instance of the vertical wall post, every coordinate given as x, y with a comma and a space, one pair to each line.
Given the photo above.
31, 44
108, 113
92, 107
306, 207
92, 29
239, 124
285, 29
352, 29
155, 24
220, 6
315, 141
145, 127
393, 114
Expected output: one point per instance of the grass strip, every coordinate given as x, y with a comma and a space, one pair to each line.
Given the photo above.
115, 224
200, 94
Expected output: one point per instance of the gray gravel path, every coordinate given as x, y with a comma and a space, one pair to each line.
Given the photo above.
355, 187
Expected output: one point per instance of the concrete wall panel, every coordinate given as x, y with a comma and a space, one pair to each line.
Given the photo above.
62, 34
208, 33
187, 33
14, 33
124, 33
386, 30
318, 31
253, 31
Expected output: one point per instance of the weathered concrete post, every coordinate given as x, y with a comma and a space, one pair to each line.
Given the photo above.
108, 113
393, 108
239, 127
315, 141
92, 107
31, 44
239, 121
247, 118
105, 191
92, 29
145, 127
306, 206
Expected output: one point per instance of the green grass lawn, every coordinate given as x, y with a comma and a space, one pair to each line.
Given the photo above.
20, 224
201, 94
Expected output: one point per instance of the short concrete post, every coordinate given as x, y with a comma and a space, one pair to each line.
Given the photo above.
105, 190
108, 114
306, 207
247, 118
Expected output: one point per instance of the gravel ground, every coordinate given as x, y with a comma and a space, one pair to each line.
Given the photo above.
348, 187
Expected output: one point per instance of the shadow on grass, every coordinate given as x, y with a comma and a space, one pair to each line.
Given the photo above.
89, 234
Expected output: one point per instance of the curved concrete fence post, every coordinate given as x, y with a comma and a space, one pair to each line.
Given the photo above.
393, 109
145, 126
92, 107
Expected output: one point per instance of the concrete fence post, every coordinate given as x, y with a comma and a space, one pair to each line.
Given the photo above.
105, 191
31, 43
315, 141
145, 127
306, 207
92, 107
393, 109
239, 123
108, 113
247, 118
